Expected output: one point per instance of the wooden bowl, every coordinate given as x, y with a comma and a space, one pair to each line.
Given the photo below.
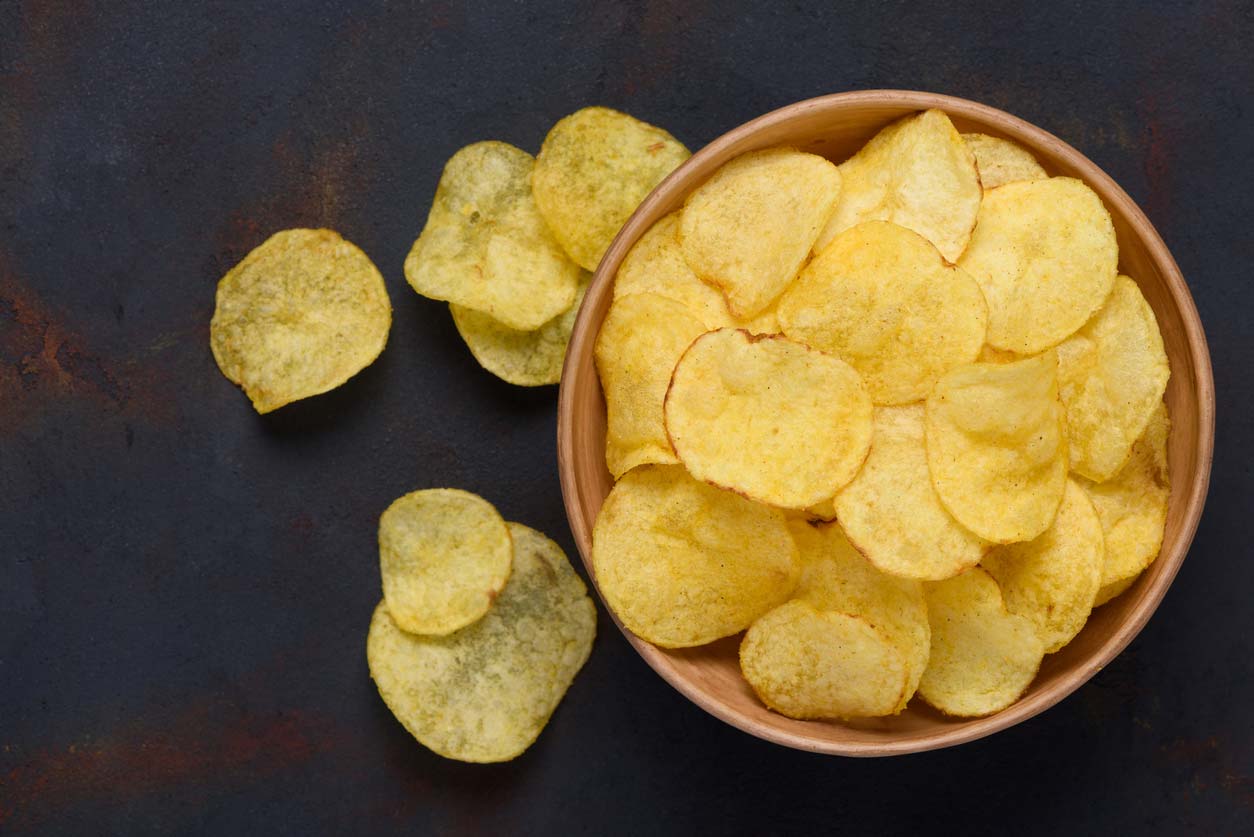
836, 126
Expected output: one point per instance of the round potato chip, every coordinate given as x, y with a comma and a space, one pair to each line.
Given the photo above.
1053, 579
997, 447
983, 657
593, 170
655, 264
1001, 161
1044, 253
891, 512
917, 173
882, 299
300, 315
444, 555
484, 693
767, 417
485, 245
749, 228
682, 563
1112, 374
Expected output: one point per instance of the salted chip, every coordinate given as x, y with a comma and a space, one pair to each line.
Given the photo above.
593, 170
996, 446
1112, 374
767, 417
682, 563
1001, 161
639, 344
444, 555
749, 228
484, 693
882, 299
1044, 253
917, 173
1053, 579
485, 245
983, 657
300, 315
655, 264
891, 512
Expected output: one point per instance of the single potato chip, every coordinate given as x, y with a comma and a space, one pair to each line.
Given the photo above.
917, 173
749, 228
997, 447
300, 315
1001, 161
655, 264
881, 298
1044, 253
484, 693
444, 555
485, 245
983, 657
682, 563
767, 417
593, 170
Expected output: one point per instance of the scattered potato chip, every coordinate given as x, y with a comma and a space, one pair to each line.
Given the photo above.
682, 563
444, 555
1112, 374
656, 265
917, 173
300, 315
749, 228
996, 446
1053, 579
484, 693
1001, 161
767, 417
1044, 253
883, 299
983, 657
593, 170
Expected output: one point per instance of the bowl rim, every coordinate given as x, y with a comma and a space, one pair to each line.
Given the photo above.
1193, 500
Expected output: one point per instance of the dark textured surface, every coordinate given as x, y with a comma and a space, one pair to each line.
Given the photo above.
185, 586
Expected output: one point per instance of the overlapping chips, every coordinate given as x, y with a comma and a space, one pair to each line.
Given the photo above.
1001, 161
656, 265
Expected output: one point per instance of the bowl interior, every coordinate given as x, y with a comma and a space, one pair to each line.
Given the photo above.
835, 127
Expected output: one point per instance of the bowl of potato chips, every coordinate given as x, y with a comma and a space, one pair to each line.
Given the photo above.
885, 423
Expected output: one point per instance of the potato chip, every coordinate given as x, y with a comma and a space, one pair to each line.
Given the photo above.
682, 563
825, 510
749, 228
990, 355
1112, 374
655, 264
764, 322
996, 446
300, 315
593, 170
1116, 588
1044, 253
1053, 579
891, 512
484, 693
882, 299
639, 344
983, 657
917, 173
1001, 161
767, 417
444, 555
485, 245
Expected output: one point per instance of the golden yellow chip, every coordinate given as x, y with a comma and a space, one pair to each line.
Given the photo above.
990, 355
767, 417
983, 657
300, 315
484, 693
825, 510
882, 299
1053, 579
749, 228
485, 245
891, 512
1001, 161
1116, 588
917, 173
682, 563
1112, 374
655, 264
996, 446
593, 170
1044, 253
444, 555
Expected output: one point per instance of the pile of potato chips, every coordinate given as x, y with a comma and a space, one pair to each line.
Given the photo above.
899, 420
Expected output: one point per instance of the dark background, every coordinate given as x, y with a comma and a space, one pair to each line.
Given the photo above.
185, 586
